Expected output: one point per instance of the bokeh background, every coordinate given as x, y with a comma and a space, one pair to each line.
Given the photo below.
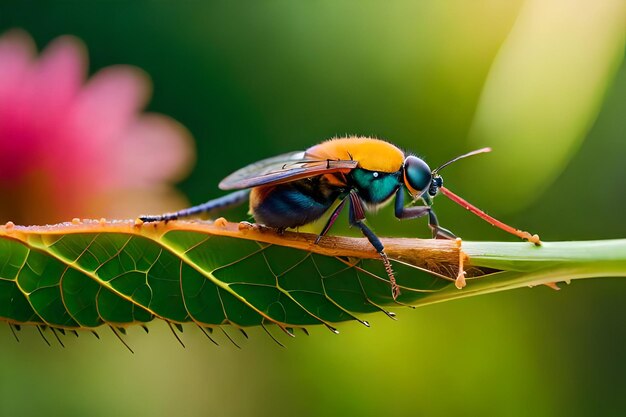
542, 82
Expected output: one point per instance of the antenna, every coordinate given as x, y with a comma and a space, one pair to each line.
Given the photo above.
476, 152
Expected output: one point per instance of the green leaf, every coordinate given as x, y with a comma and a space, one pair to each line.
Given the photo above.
82, 275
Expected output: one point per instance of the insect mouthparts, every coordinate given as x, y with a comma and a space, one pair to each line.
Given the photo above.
435, 184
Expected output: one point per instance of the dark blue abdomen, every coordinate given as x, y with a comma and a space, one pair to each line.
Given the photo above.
291, 204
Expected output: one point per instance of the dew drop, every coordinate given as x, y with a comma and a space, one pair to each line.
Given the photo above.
220, 222
245, 226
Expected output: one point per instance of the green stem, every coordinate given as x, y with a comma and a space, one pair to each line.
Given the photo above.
525, 265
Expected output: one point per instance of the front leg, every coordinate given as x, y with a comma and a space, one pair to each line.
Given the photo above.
357, 215
415, 212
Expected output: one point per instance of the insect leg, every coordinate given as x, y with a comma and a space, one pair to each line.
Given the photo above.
494, 222
403, 212
331, 220
438, 231
357, 215
222, 203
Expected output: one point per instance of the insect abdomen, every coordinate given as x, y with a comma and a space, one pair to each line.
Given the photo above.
291, 204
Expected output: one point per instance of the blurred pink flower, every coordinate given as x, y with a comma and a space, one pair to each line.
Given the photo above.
75, 149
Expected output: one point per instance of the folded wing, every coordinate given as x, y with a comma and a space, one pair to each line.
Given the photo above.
283, 168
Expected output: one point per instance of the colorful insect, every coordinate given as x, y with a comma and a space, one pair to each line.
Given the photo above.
297, 188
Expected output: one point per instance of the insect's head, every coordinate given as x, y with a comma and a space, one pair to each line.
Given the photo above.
418, 178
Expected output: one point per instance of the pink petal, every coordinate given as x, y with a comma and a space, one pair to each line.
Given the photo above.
16, 58
100, 115
56, 80
108, 104
16, 54
154, 149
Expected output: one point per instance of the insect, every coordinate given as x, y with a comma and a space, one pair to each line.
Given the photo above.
297, 188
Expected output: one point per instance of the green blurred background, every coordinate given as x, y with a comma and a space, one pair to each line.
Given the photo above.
543, 83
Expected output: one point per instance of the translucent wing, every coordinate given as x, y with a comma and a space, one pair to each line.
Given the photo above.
283, 168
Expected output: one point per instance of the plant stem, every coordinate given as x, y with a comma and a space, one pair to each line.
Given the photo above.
525, 265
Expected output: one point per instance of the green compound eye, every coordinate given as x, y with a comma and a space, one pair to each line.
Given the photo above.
417, 175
